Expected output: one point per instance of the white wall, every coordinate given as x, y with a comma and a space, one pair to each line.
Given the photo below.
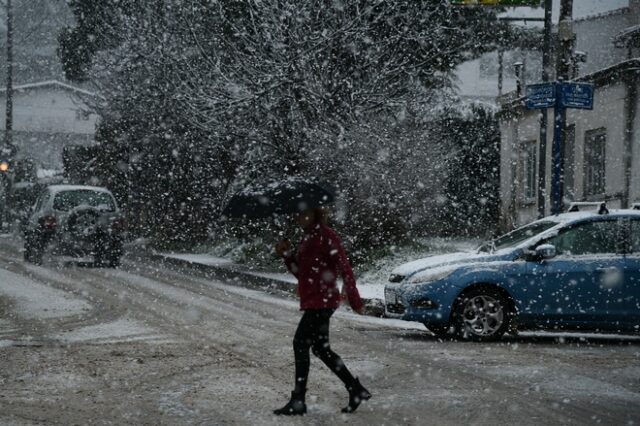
595, 36
45, 120
48, 109
608, 112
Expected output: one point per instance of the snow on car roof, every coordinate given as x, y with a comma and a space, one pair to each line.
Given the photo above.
575, 216
60, 188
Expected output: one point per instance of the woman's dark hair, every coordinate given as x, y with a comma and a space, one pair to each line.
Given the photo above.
321, 215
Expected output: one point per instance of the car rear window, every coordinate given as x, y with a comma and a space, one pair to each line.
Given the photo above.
68, 200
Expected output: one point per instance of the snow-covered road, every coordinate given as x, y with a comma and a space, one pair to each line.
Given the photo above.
146, 344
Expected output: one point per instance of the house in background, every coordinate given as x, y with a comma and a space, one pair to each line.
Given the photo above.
602, 146
493, 74
47, 116
601, 149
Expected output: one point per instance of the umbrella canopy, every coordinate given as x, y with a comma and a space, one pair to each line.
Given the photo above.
285, 197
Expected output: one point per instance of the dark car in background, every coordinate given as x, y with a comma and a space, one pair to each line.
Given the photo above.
76, 221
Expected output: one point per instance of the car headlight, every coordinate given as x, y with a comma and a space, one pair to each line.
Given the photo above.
428, 276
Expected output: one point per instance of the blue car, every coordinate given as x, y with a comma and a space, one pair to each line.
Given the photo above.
573, 271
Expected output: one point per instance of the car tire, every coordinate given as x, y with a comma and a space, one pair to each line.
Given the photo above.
107, 252
482, 314
32, 251
114, 260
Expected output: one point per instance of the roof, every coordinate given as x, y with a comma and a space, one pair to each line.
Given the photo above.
599, 78
51, 84
629, 37
59, 188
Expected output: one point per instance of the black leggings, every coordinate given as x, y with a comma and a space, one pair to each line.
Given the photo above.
313, 333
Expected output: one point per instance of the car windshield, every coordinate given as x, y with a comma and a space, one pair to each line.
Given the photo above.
516, 237
67, 200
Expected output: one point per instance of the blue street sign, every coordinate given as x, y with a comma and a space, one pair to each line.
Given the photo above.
560, 96
541, 96
576, 95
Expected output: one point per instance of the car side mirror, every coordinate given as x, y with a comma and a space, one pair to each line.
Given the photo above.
545, 251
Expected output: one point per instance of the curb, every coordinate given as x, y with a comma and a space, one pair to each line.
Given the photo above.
237, 275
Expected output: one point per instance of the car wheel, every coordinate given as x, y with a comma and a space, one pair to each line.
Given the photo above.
114, 260
107, 253
482, 314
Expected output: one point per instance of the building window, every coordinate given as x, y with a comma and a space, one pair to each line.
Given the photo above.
595, 144
529, 170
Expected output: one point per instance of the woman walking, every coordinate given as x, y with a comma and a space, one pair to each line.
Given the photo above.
319, 258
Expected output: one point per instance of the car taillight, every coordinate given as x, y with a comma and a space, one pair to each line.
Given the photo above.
49, 222
118, 224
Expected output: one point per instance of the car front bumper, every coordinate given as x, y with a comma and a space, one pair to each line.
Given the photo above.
429, 304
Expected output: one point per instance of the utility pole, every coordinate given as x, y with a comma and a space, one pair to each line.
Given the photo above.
565, 40
9, 107
542, 153
564, 63
6, 149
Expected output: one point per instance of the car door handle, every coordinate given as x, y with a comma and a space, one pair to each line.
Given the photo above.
606, 270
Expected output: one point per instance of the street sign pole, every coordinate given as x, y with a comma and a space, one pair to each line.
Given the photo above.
542, 152
556, 154
559, 95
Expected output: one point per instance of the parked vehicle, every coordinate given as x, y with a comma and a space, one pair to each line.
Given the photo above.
573, 271
77, 221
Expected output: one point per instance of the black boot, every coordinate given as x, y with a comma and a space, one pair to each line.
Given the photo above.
357, 394
295, 407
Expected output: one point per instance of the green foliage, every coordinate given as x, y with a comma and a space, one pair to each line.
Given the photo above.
472, 186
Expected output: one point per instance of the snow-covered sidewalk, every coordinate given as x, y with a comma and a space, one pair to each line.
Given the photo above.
369, 291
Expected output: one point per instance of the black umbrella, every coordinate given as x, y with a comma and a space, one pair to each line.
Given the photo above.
284, 197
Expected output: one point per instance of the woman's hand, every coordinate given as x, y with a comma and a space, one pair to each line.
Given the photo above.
283, 248
345, 299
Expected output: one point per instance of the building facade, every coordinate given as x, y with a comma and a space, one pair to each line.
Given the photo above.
46, 117
601, 149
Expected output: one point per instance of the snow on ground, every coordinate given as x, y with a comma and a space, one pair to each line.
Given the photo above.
39, 300
232, 341
367, 291
203, 259
121, 330
35, 300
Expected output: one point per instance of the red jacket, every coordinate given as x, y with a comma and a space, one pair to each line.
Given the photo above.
319, 259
